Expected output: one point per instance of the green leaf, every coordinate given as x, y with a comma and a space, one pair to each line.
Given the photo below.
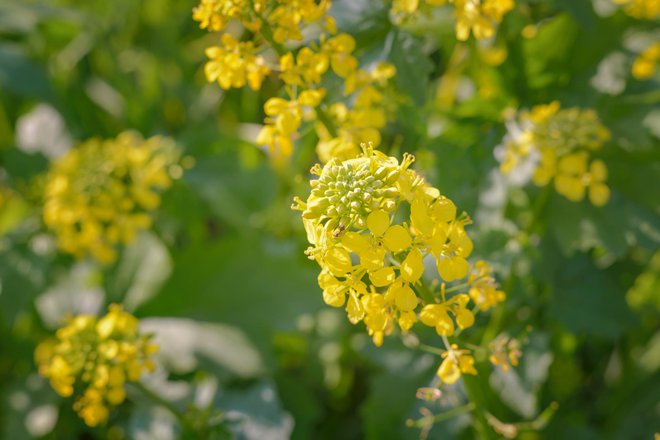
19, 75
585, 299
412, 66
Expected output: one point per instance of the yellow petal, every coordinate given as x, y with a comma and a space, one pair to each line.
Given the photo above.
452, 268
570, 187
412, 267
355, 242
334, 298
444, 210
406, 320
598, 171
575, 163
420, 218
448, 371
405, 298
464, 318
354, 309
378, 222
338, 261
599, 194
383, 277
397, 238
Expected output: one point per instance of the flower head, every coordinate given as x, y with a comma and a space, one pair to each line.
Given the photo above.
559, 142
372, 221
97, 356
102, 192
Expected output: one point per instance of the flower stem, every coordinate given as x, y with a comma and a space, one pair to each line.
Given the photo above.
428, 420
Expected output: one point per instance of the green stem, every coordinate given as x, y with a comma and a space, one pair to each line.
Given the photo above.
426, 421
431, 349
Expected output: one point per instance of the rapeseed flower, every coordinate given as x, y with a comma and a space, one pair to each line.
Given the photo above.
558, 143
96, 357
103, 192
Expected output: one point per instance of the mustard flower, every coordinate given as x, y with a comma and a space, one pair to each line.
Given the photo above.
371, 258
233, 64
646, 63
640, 9
97, 356
558, 143
102, 192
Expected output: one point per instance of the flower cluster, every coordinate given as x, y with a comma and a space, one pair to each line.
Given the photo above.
640, 9
478, 17
505, 352
93, 358
102, 192
340, 124
558, 144
372, 222
646, 63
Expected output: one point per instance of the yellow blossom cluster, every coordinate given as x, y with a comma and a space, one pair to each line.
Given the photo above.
234, 63
102, 192
342, 124
93, 358
372, 223
559, 142
477, 17
640, 9
646, 63
505, 352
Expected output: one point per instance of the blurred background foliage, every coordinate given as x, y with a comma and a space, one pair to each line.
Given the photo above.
222, 279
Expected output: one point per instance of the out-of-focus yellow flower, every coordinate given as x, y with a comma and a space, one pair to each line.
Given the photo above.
505, 352
215, 14
574, 178
484, 290
284, 119
361, 123
339, 50
640, 9
305, 69
560, 141
233, 64
102, 192
289, 16
646, 63
477, 17
99, 356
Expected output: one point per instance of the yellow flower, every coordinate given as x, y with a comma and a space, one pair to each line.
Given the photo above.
640, 9
438, 315
505, 352
455, 363
483, 287
573, 179
215, 14
289, 15
307, 68
233, 64
339, 50
100, 355
645, 65
472, 16
372, 262
284, 120
560, 141
102, 192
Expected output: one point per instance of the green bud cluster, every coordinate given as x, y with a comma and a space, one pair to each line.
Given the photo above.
345, 193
